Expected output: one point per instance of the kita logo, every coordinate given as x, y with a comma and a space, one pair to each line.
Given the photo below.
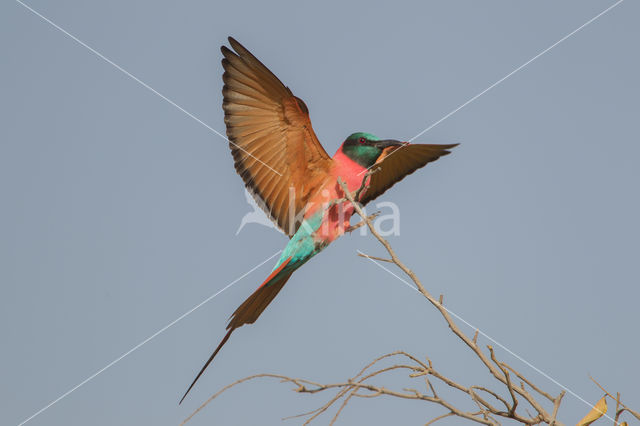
392, 218
256, 216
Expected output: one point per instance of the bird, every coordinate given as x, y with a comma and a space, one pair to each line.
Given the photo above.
286, 169
255, 216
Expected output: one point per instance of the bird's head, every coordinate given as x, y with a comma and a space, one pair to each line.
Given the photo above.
365, 148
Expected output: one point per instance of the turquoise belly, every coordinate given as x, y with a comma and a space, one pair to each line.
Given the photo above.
302, 246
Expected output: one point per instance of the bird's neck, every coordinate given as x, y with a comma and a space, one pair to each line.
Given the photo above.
350, 171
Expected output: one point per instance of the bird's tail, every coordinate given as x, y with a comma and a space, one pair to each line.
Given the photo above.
250, 310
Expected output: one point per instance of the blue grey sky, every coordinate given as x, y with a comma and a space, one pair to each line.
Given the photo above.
119, 211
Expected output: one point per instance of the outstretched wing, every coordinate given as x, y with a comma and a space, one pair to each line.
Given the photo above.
396, 163
275, 149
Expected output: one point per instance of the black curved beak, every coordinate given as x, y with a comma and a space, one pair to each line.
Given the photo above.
386, 143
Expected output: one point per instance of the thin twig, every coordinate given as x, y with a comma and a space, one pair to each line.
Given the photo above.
512, 409
382, 259
430, 422
556, 407
361, 385
443, 311
629, 410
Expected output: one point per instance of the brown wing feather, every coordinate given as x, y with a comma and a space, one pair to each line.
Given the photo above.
271, 139
396, 163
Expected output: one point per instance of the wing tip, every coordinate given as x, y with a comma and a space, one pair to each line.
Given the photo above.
447, 148
452, 145
232, 41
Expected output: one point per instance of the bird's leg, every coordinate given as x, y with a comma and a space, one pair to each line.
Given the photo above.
361, 223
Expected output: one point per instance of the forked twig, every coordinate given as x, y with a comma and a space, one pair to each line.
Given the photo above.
362, 386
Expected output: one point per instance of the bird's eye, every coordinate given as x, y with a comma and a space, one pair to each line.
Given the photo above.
362, 140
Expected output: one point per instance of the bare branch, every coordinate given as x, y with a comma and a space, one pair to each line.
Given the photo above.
496, 372
382, 259
556, 407
362, 384
534, 387
629, 410
513, 407
430, 422
361, 223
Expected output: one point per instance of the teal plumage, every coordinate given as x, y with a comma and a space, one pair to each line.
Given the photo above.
284, 166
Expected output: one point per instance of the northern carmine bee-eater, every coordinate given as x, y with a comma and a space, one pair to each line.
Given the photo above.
286, 169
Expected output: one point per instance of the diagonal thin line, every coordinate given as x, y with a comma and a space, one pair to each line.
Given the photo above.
136, 347
517, 69
489, 337
507, 76
137, 80
262, 263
